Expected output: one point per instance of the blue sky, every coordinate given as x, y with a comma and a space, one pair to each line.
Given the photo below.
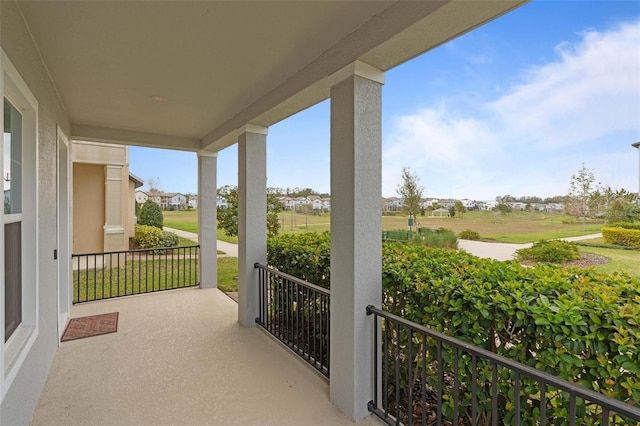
514, 107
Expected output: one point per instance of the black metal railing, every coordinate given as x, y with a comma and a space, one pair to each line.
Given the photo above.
425, 377
98, 276
297, 314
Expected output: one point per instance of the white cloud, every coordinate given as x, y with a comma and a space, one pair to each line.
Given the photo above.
582, 107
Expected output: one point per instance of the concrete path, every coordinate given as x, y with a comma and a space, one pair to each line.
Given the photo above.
497, 251
229, 248
505, 251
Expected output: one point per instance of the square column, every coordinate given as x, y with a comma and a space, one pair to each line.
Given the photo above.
356, 225
207, 219
114, 235
252, 218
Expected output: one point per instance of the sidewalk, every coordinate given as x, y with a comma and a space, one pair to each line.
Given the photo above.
229, 248
505, 251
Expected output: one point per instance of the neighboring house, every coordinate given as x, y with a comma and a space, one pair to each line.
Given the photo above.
221, 202
326, 203
99, 72
103, 197
177, 201
315, 202
141, 197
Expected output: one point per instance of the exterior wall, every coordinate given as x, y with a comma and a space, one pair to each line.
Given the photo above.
21, 397
88, 208
114, 216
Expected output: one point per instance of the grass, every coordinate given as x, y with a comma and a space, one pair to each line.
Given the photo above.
516, 227
627, 261
187, 220
228, 274
135, 277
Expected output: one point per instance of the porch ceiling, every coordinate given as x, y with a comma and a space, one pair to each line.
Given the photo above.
222, 64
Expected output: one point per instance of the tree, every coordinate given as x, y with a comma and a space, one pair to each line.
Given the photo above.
581, 187
228, 216
410, 191
460, 208
151, 215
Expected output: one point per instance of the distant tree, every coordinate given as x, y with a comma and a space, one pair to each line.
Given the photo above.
460, 208
410, 191
581, 187
503, 208
228, 217
151, 215
452, 211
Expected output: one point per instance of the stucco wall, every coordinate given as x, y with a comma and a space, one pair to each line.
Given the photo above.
88, 208
22, 397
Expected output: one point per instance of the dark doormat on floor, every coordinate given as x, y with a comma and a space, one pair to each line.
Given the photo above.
93, 325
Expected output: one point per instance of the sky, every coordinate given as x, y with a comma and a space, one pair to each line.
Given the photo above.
514, 107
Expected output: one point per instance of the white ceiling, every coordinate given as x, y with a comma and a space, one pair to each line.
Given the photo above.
222, 64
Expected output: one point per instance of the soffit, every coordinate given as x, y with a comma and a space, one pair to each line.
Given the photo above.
223, 64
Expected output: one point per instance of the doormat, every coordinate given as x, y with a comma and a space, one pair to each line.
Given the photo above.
93, 325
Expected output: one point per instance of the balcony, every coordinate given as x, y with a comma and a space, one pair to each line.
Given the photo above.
180, 357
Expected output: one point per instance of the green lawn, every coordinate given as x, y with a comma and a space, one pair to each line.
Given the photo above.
627, 261
228, 273
150, 273
187, 220
516, 227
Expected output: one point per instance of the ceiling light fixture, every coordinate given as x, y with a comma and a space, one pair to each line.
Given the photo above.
158, 98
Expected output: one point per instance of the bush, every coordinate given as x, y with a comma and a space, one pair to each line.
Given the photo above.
468, 234
306, 256
151, 215
577, 324
554, 251
169, 239
625, 225
147, 237
622, 236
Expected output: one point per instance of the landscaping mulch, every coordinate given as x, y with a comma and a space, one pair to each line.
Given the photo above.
93, 325
586, 260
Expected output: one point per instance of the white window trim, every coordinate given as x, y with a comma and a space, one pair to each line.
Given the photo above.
17, 347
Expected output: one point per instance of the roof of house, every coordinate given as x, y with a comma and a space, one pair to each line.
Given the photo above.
137, 182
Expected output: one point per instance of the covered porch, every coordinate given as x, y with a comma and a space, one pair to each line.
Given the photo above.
180, 357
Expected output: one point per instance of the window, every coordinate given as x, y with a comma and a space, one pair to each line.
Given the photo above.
12, 185
19, 217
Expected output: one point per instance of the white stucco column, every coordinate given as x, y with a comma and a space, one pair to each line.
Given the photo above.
356, 224
252, 217
207, 219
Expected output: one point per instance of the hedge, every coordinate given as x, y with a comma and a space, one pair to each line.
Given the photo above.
622, 236
578, 324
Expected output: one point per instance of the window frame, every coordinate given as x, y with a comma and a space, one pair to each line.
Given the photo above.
18, 346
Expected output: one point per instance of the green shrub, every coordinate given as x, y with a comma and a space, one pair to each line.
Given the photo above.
151, 215
622, 236
625, 225
468, 234
306, 256
577, 324
397, 235
554, 251
147, 237
169, 239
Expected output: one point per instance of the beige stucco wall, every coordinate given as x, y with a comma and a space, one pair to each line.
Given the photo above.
22, 396
116, 212
88, 208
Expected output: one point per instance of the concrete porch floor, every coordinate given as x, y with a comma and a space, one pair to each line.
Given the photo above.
180, 357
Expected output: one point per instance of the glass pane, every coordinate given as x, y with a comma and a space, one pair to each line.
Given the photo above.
12, 278
12, 147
